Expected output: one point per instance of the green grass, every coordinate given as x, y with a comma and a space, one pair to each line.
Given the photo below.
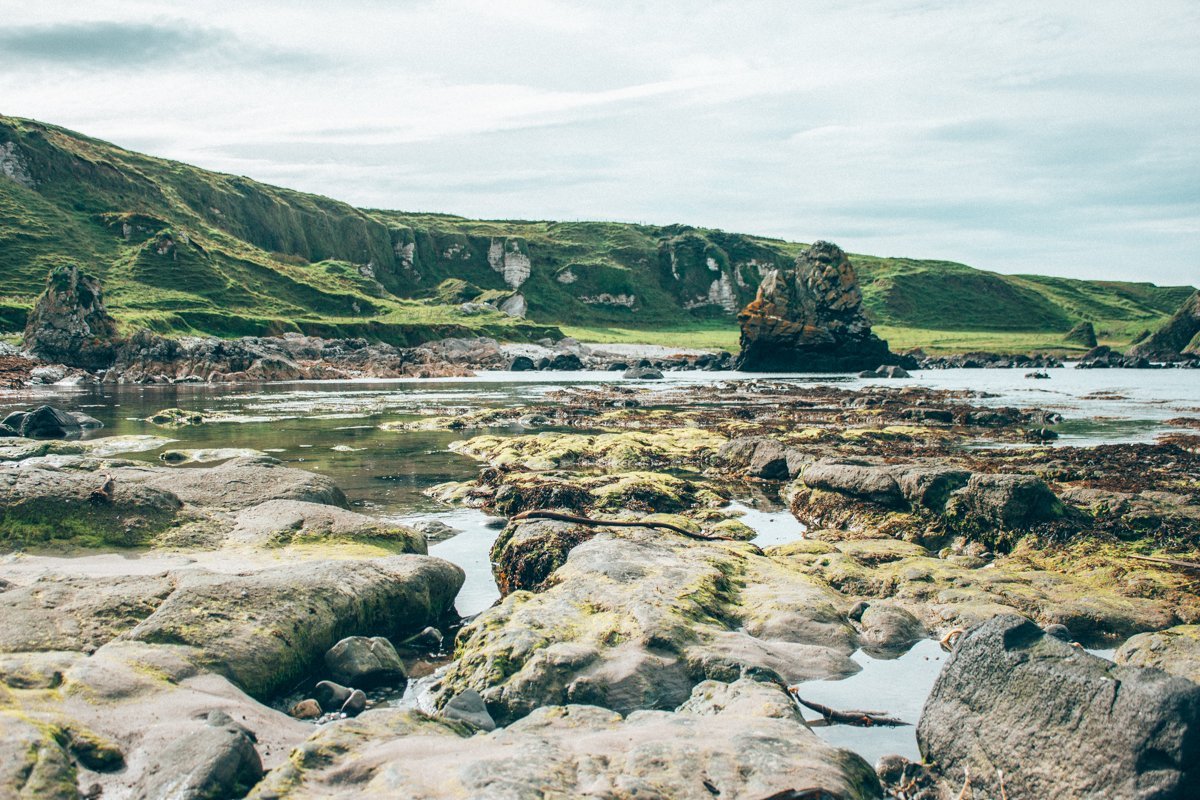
722, 337
183, 250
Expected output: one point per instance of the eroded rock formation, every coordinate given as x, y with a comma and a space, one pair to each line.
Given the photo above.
811, 319
69, 323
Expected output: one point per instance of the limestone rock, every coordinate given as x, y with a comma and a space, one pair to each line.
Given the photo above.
810, 319
739, 740
69, 323
1057, 721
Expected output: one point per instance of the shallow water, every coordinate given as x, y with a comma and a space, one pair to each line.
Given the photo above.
896, 686
333, 428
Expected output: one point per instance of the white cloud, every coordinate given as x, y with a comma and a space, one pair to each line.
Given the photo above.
1051, 136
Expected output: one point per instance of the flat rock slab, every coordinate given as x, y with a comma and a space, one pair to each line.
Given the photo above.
740, 740
1055, 721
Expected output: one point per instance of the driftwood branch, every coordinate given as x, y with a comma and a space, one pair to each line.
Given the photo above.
1192, 566
863, 719
561, 517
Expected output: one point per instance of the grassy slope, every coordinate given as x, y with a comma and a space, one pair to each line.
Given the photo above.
182, 249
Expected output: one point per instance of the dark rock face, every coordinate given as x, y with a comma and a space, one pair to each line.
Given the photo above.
69, 323
1177, 338
810, 319
1083, 333
643, 374
48, 422
1057, 721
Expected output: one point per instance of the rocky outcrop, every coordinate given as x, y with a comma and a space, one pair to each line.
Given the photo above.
739, 740
69, 323
1177, 339
1028, 712
634, 618
1083, 333
810, 319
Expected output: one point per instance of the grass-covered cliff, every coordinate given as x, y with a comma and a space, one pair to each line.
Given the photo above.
181, 249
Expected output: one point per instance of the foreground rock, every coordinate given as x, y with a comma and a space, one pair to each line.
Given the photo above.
810, 319
1030, 712
69, 323
739, 740
635, 617
142, 685
1175, 650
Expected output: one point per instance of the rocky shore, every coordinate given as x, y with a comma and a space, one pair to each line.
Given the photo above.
268, 641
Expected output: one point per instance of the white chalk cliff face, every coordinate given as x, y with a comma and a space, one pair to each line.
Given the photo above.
505, 256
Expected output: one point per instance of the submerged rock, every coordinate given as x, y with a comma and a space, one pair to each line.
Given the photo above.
1047, 719
810, 319
740, 740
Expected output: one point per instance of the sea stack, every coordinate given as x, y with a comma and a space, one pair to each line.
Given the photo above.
810, 319
1179, 337
69, 323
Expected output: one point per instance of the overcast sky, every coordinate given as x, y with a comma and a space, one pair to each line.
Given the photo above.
1057, 136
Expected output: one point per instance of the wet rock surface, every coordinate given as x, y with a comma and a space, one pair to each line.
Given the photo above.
1022, 709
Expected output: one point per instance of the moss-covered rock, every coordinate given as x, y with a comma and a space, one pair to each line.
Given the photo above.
631, 449
635, 617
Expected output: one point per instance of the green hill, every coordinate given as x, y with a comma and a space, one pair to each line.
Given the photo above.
181, 249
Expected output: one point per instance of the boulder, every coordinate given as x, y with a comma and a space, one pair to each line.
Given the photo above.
365, 662
1005, 502
48, 422
469, 707
521, 364
248, 481
331, 696
889, 630
265, 630
810, 319
732, 740
643, 374
69, 323
565, 362
1055, 721
1175, 650
218, 760
762, 457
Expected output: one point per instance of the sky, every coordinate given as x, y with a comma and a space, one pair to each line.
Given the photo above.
1055, 137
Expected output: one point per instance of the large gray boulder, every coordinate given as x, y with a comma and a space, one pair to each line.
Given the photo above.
739, 740
1175, 650
1055, 721
218, 760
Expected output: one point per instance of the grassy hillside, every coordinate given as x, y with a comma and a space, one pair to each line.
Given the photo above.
182, 249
